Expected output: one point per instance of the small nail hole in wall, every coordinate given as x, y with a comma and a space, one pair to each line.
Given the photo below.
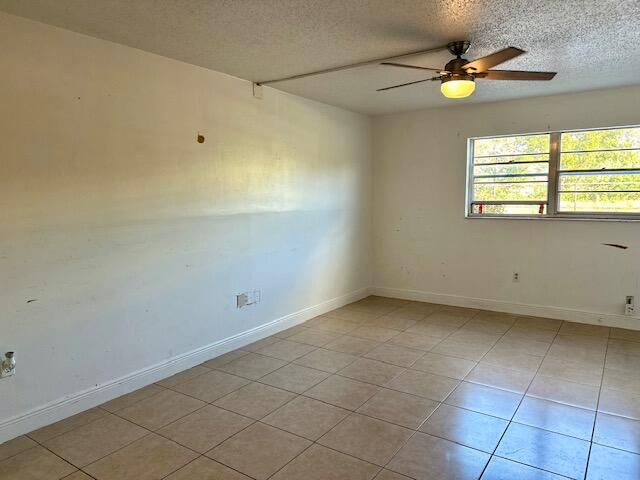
200, 138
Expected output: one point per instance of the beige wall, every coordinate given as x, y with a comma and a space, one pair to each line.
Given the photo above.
133, 239
425, 248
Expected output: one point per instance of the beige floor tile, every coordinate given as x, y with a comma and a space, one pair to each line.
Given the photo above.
618, 402
624, 346
342, 392
351, 345
150, 458
369, 439
444, 365
502, 355
472, 336
371, 371
609, 463
539, 322
224, 358
183, 376
206, 469
326, 360
45, 433
472, 429
34, 463
306, 417
290, 332
319, 463
392, 322
531, 332
621, 380
584, 342
131, 398
457, 348
312, 337
79, 475
563, 391
351, 315
161, 409
95, 440
205, 428
211, 386
625, 334
405, 313
572, 328
255, 400
413, 340
286, 350
433, 387
556, 417
399, 408
425, 457
500, 377
617, 432
622, 361
428, 329
545, 450
375, 334
502, 469
571, 371
253, 366
458, 311
487, 400
524, 345
15, 446
389, 475
294, 378
255, 346
259, 451
395, 355
332, 325
489, 325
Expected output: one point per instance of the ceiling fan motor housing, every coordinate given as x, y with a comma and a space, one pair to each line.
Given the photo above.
458, 48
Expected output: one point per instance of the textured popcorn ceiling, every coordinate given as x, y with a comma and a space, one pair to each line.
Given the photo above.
591, 43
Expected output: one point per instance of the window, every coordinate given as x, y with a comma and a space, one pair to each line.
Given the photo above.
573, 174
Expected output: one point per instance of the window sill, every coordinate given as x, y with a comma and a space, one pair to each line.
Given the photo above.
581, 218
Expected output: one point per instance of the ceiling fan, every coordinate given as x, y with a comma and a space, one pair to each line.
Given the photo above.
459, 75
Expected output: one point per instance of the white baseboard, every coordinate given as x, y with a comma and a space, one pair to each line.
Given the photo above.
94, 396
560, 313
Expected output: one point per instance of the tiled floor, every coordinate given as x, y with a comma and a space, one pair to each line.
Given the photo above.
383, 389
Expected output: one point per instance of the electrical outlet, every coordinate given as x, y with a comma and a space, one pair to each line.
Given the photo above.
516, 277
629, 306
247, 298
8, 365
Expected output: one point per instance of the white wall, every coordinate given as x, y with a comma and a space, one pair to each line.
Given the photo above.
424, 248
131, 238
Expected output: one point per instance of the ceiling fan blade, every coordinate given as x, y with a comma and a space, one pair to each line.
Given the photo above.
408, 83
393, 64
513, 75
496, 58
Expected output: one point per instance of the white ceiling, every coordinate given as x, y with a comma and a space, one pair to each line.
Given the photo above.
591, 43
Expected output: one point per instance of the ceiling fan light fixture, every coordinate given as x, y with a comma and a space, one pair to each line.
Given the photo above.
457, 86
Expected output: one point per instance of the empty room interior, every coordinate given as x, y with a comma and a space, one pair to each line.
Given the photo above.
320, 240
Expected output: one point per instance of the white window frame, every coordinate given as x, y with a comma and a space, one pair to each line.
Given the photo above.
552, 212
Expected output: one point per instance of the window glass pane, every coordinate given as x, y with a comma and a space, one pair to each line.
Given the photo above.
510, 191
483, 147
600, 160
599, 202
541, 178
512, 169
601, 139
508, 209
512, 159
604, 181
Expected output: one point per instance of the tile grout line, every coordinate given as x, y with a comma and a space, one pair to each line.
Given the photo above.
597, 412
